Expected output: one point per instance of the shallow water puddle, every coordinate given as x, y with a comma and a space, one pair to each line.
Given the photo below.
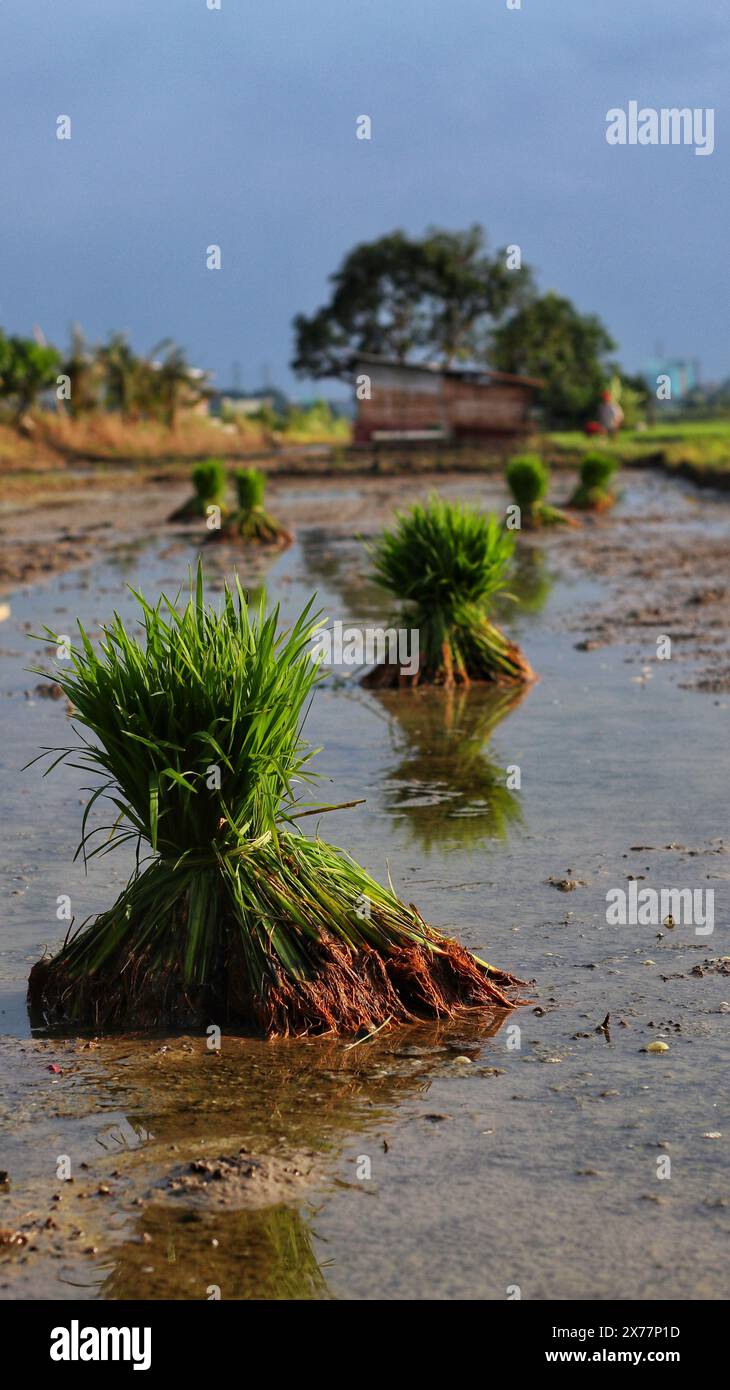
432, 1163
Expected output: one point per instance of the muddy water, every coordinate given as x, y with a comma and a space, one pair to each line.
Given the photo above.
396, 1168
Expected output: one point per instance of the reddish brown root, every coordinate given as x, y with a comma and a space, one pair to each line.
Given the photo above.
345, 992
596, 502
388, 676
525, 676
261, 532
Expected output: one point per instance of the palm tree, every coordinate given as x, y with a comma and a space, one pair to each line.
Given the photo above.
122, 374
83, 370
176, 382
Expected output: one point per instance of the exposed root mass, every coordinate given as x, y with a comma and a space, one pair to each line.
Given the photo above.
344, 991
255, 527
478, 653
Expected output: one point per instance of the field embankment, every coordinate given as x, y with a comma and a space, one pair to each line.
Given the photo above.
699, 450
57, 451
106, 438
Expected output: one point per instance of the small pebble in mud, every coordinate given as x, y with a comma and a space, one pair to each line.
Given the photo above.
712, 1134
13, 1238
463, 1061
657, 1047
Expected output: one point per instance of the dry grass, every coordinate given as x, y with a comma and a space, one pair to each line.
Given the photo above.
108, 437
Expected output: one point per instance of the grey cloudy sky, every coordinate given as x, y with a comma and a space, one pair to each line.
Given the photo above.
237, 127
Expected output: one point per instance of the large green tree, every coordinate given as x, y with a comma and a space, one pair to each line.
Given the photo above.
437, 296
550, 339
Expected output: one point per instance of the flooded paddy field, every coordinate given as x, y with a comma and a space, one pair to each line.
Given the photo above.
429, 1162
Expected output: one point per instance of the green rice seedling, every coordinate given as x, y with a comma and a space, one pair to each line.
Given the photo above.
234, 915
250, 521
209, 488
594, 492
445, 562
528, 479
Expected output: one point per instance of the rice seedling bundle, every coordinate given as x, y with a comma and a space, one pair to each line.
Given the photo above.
250, 521
444, 562
528, 479
594, 492
209, 488
233, 916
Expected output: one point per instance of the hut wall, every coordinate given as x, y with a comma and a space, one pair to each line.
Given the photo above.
486, 408
400, 401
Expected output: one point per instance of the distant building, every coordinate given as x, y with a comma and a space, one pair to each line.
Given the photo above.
235, 402
421, 402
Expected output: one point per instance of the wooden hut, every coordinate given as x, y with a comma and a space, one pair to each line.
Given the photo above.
418, 402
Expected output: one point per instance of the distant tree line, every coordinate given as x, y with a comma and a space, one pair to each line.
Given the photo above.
110, 376
444, 297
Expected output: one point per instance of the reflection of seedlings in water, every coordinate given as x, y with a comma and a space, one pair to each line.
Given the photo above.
338, 566
446, 785
261, 1243
264, 1254
221, 568
530, 583
125, 556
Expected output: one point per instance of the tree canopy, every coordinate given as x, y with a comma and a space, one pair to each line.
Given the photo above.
550, 339
27, 367
438, 296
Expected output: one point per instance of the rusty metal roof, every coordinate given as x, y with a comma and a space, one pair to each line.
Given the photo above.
474, 374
